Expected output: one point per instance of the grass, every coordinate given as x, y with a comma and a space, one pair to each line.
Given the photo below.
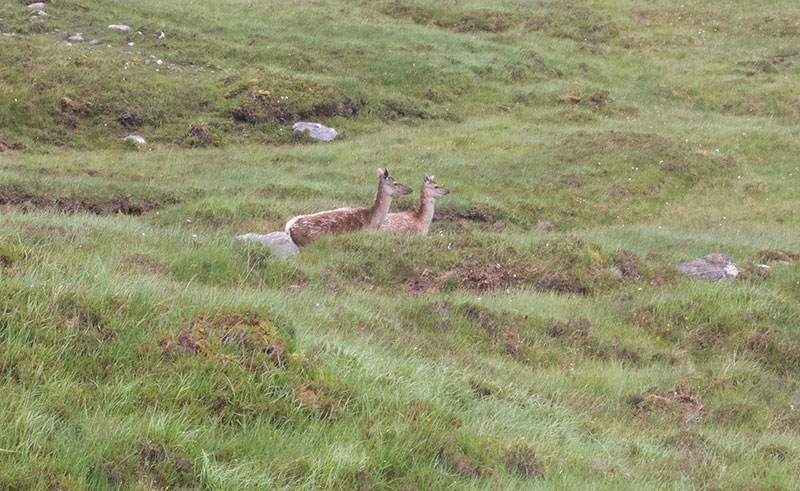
142, 347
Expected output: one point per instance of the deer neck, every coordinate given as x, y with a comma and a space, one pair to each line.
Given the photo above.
380, 209
425, 212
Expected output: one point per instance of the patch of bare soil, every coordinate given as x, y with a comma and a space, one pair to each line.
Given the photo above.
777, 255
6, 148
98, 205
680, 402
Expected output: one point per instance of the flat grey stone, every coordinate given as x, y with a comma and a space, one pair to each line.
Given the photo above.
316, 130
76, 37
37, 5
137, 139
121, 27
714, 267
42, 13
280, 242
93, 42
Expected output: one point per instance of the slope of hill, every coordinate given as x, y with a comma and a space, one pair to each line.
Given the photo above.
539, 337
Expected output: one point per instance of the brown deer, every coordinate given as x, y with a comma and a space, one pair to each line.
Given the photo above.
304, 229
416, 222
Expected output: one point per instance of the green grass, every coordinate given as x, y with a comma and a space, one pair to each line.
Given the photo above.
142, 347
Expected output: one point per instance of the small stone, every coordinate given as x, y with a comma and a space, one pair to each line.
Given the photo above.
108, 45
67, 43
136, 139
158, 62
615, 272
280, 242
42, 13
714, 267
316, 130
76, 37
130, 44
37, 5
93, 42
162, 36
121, 27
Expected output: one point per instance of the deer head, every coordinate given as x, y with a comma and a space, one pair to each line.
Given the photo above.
431, 188
390, 186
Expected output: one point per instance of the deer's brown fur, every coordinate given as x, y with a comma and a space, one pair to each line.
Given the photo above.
304, 229
416, 222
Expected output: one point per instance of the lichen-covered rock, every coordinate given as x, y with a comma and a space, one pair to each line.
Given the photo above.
280, 242
316, 130
714, 267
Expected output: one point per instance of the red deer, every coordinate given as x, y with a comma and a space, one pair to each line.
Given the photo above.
416, 222
304, 229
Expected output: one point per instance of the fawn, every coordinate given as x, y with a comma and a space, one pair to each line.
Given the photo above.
304, 229
416, 222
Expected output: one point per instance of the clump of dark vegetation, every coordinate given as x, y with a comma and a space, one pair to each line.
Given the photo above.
680, 403
459, 22
225, 334
521, 458
123, 204
278, 100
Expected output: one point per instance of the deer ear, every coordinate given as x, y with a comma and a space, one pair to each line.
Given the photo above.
386, 173
427, 178
380, 172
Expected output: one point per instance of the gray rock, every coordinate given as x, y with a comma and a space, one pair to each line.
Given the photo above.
280, 242
714, 267
37, 5
136, 139
121, 27
93, 42
161, 36
316, 130
76, 37
615, 272
42, 13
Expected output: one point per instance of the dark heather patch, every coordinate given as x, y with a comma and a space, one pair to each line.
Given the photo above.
628, 263
471, 215
775, 255
98, 205
680, 403
522, 460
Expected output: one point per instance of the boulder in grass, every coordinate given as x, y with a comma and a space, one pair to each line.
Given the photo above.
316, 130
121, 27
136, 139
714, 267
280, 242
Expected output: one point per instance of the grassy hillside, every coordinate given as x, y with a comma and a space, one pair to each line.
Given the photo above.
539, 337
